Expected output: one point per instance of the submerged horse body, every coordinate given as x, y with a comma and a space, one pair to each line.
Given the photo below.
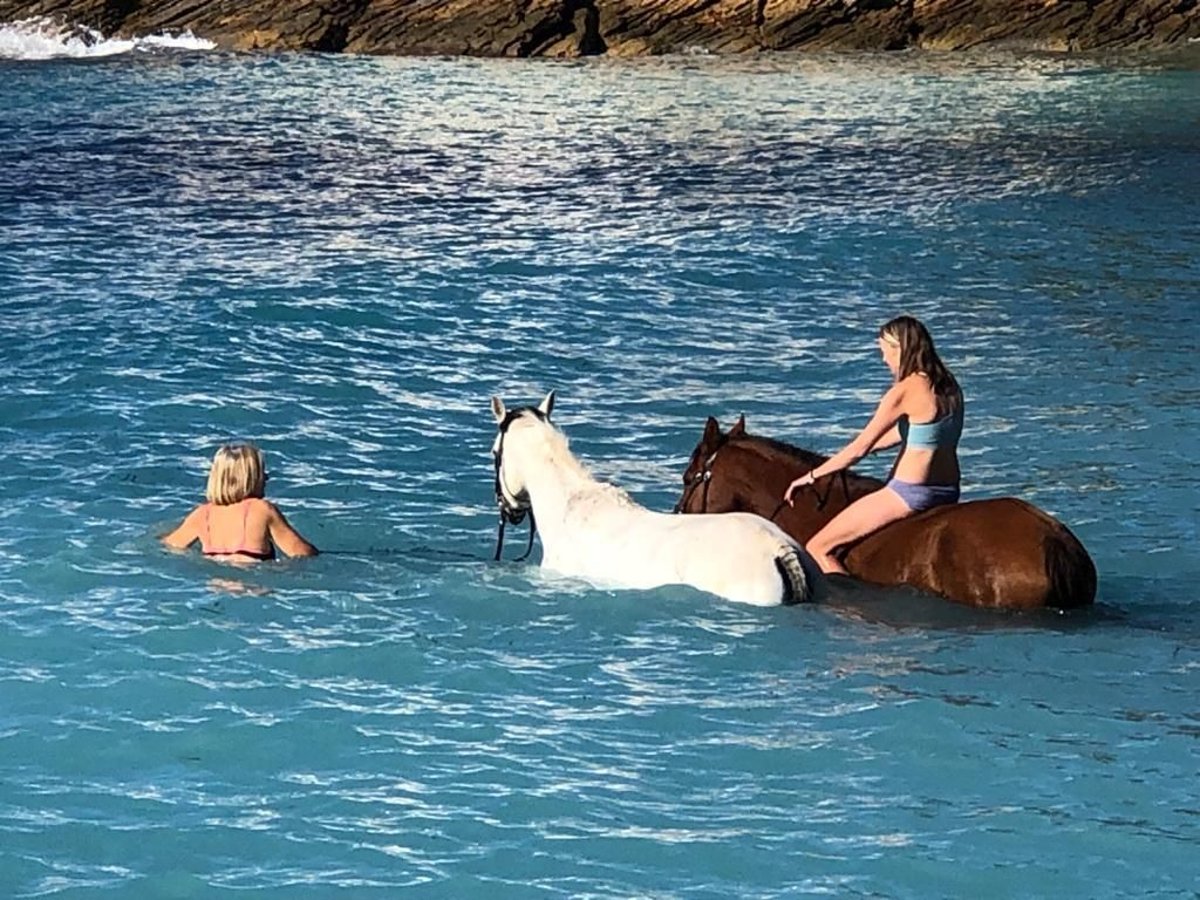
1001, 553
595, 531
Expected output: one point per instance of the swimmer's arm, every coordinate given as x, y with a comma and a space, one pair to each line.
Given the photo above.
186, 534
285, 537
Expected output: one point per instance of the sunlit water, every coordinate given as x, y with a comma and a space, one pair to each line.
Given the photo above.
344, 258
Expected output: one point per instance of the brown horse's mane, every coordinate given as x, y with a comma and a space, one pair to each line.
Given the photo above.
758, 443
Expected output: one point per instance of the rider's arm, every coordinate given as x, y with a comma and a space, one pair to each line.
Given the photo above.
890, 408
889, 440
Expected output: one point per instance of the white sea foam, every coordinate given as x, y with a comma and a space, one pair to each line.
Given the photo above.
44, 38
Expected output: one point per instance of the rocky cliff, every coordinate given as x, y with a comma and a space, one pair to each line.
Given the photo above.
569, 28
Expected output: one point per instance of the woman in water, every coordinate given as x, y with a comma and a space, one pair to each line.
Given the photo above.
236, 523
923, 412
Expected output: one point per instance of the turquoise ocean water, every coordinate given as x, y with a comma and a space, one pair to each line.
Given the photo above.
344, 258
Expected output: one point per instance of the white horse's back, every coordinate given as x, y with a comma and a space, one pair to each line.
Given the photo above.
738, 556
597, 532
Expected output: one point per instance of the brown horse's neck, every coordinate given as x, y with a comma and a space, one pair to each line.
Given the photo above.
786, 462
750, 474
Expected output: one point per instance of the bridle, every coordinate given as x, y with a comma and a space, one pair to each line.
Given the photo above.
704, 477
513, 510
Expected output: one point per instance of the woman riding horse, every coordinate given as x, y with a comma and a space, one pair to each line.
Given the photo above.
993, 553
923, 412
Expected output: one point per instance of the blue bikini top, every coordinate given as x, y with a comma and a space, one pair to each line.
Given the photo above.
943, 432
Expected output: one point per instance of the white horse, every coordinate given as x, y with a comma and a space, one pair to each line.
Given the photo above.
597, 532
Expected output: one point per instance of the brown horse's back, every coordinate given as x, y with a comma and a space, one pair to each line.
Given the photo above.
982, 550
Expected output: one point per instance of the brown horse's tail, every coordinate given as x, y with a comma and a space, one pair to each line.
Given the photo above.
1070, 571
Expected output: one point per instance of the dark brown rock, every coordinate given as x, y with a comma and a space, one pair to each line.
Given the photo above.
636, 27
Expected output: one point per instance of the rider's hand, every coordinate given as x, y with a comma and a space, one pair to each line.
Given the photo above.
805, 479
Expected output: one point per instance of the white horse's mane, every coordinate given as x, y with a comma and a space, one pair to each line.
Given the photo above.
558, 453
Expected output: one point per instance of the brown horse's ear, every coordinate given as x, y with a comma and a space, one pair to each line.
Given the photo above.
739, 427
712, 431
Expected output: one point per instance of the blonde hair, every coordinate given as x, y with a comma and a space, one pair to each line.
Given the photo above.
238, 471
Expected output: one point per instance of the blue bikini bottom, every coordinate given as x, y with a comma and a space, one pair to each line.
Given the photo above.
920, 497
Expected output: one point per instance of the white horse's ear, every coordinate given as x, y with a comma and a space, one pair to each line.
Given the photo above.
498, 409
547, 406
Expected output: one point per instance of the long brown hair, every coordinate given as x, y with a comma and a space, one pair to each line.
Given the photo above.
917, 354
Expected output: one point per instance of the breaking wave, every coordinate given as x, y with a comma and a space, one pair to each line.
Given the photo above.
45, 38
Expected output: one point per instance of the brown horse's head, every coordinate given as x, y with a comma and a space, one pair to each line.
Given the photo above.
697, 477
742, 472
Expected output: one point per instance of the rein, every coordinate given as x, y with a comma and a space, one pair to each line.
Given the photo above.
821, 501
704, 476
516, 511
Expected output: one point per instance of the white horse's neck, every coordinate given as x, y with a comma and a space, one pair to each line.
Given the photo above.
552, 475
556, 469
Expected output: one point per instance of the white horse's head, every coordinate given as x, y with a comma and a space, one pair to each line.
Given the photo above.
511, 480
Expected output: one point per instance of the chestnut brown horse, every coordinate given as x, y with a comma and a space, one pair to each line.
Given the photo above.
999, 554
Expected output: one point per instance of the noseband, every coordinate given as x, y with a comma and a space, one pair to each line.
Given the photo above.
514, 510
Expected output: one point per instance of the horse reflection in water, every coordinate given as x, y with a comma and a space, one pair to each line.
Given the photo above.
597, 532
1001, 553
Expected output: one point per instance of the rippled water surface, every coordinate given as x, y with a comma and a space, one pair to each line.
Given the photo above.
343, 259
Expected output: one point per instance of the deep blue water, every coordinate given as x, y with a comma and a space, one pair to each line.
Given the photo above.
343, 259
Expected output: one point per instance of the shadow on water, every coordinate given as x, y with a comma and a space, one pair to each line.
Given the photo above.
1140, 604
415, 552
421, 555
904, 607
1129, 602
1164, 603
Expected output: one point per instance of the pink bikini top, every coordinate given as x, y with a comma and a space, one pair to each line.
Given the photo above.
241, 549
